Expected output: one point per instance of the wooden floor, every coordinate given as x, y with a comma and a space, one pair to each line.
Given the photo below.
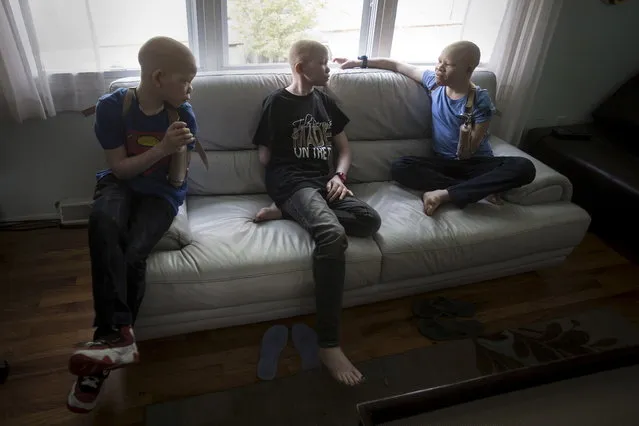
46, 307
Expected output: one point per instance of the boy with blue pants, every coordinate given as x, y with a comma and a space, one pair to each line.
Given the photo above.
134, 204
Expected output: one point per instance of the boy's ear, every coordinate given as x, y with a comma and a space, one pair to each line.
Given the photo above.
299, 67
156, 77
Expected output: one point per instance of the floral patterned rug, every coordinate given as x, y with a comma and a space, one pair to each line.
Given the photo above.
312, 398
551, 341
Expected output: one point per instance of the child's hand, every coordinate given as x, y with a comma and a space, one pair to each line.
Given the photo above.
336, 190
176, 136
347, 63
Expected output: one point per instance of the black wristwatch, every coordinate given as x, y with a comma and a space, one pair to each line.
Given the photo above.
364, 60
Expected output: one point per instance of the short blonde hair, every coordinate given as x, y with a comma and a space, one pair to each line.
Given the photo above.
305, 51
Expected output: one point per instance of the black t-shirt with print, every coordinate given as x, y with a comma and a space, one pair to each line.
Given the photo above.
299, 131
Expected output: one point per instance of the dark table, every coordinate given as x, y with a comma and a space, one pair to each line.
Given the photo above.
403, 407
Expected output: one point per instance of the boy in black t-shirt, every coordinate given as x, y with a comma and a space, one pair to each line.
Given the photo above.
296, 136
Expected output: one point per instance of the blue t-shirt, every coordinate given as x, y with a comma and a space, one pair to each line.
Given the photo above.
448, 117
138, 133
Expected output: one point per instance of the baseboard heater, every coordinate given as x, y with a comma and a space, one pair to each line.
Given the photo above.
74, 211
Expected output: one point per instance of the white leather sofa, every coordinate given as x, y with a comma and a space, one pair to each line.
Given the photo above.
216, 268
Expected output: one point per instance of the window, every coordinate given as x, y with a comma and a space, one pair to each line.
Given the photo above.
424, 27
97, 35
261, 32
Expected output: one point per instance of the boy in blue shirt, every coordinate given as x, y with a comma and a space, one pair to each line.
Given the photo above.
134, 205
457, 173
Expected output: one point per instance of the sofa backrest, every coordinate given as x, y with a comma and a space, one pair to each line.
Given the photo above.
389, 113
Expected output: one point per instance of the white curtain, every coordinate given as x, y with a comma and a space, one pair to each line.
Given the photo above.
517, 61
37, 42
24, 87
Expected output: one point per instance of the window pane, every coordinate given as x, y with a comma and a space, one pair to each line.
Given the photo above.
424, 27
262, 32
98, 35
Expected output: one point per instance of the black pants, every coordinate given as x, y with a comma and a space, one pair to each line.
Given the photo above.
467, 181
329, 224
123, 229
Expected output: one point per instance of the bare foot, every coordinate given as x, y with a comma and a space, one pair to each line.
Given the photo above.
494, 199
268, 213
340, 367
434, 199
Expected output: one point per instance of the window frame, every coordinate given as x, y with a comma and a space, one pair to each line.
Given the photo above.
208, 38
220, 50
375, 39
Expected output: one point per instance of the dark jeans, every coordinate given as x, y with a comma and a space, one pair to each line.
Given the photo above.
329, 224
467, 181
123, 229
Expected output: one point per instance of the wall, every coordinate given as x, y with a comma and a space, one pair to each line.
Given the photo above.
42, 162
595, 49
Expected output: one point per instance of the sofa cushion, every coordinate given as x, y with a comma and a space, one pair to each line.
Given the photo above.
415, 245
548, 186
372, 159
233, 261
240, 172
381, 105
229, 172
385, 105
227, 106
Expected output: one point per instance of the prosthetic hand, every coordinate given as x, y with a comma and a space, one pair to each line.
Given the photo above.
464, 148
174, 143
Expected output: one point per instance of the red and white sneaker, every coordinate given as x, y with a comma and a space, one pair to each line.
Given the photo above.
105, 354
85, 391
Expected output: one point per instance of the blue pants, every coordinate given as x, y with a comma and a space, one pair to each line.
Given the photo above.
124, 226
467, 181
329, 223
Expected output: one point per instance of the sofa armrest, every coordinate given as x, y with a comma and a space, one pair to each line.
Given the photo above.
178, 234
549, 186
